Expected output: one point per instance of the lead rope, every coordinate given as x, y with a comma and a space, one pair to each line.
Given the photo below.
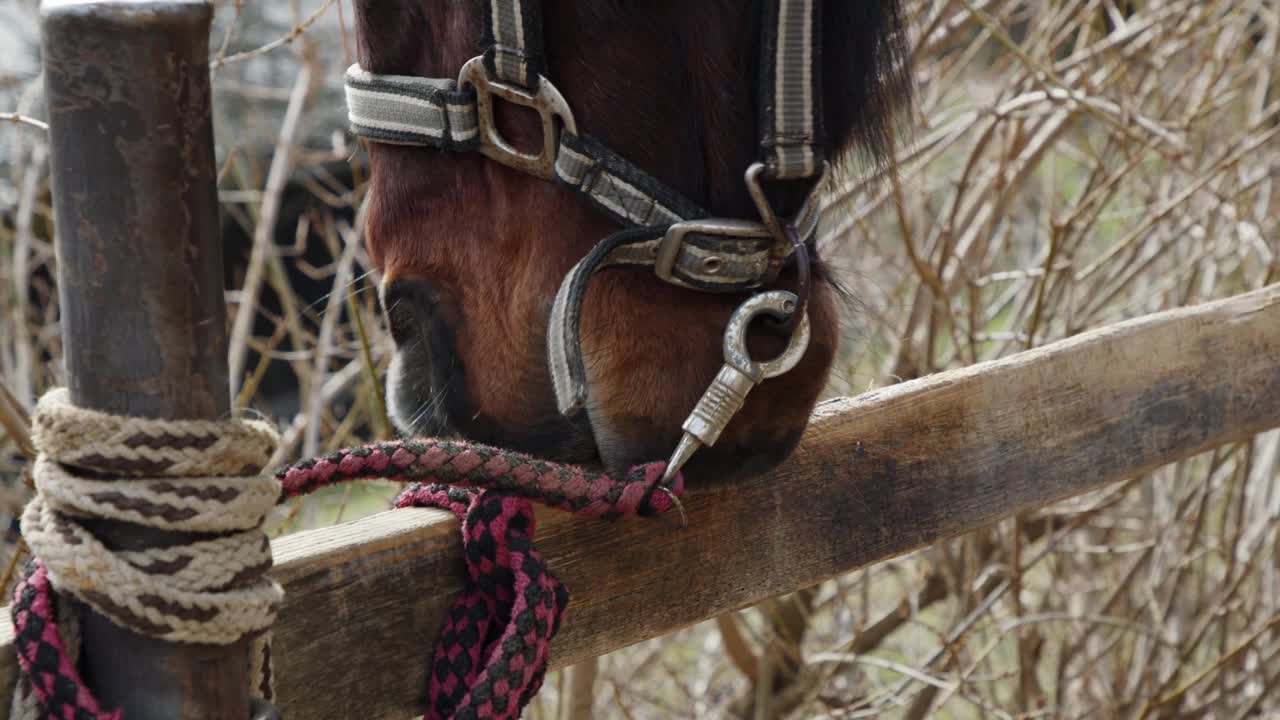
492, 651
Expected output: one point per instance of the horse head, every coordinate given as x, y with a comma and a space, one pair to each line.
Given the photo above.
472, 252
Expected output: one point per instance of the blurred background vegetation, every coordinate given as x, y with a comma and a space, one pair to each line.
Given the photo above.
1069, 164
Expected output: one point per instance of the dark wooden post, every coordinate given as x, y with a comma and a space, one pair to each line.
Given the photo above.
140, 285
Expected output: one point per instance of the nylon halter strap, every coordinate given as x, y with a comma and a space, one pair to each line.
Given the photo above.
666, 232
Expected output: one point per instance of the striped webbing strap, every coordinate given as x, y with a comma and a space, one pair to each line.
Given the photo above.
434, 112
792, 143
513, 40
406, 110
791, 89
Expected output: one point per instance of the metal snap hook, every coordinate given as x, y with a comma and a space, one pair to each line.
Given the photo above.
777, 305
728, 391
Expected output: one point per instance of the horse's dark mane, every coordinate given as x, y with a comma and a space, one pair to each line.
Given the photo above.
868, 40
669, 84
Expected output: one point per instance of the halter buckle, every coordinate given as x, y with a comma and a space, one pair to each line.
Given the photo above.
669, 248
546, 101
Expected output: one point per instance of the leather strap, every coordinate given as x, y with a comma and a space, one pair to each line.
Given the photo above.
624, 192
737, 268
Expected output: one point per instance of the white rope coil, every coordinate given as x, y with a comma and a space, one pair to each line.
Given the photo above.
194, 504
176, 607
120, 445
181, 475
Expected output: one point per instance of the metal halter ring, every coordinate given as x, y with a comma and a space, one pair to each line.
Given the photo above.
546, 101
754, 177
787, 241
767, 215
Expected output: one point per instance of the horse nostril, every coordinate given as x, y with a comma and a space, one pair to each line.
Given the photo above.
405, 305
400, 321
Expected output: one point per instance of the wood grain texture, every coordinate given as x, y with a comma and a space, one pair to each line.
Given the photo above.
877, 475
140, 288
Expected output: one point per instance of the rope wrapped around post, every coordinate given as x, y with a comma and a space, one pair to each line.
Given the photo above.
492, 652
185, 475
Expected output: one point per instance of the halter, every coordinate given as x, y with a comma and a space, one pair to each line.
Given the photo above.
668, 234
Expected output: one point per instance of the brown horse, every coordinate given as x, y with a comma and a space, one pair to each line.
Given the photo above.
472, 252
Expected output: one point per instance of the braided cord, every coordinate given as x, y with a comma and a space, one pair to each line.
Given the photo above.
492, 651
564, 487
50, 686
491, 654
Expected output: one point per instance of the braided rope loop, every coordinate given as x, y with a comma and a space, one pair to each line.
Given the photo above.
464, 464
492, 651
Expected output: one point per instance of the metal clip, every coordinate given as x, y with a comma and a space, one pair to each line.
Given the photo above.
546, 101
740, 373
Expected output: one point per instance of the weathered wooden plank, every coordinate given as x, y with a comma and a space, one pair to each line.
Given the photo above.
876, 476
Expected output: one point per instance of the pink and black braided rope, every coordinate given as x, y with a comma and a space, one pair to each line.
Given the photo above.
42, 658
492, 652
446, 462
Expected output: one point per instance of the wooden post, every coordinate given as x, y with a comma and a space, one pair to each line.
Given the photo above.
140, 286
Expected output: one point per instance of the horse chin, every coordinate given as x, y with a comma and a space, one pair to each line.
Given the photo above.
409, 403
642, 390
593, 438
624, 443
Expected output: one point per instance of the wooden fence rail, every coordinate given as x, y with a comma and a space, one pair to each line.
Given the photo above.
876, 476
